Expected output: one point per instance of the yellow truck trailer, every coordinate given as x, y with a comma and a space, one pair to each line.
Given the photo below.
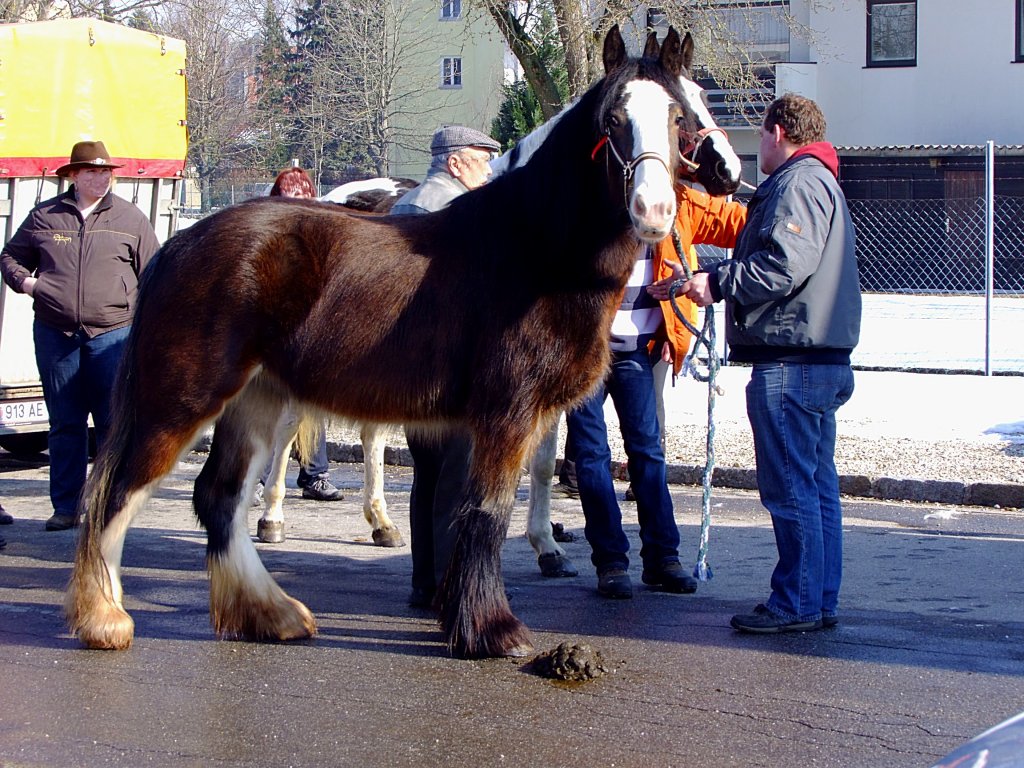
66, 81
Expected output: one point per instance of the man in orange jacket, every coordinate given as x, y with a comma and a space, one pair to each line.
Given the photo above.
645, 329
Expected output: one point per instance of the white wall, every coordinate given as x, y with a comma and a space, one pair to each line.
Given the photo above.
965, 88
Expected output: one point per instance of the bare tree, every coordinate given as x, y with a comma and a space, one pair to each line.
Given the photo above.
219, 62
729, 38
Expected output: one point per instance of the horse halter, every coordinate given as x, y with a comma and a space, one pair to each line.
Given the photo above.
688, 154
628, 167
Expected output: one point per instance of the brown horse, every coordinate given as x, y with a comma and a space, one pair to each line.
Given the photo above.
466, 316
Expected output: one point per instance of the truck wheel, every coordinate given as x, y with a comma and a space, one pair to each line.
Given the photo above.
25, 443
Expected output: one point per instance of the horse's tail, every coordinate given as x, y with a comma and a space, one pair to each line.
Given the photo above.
311, 423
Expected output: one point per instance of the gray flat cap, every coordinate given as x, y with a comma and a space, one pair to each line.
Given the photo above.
454, 137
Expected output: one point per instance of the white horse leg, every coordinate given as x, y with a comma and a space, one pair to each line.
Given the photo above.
245, 601
375, 507
550, 557
270, 527
94, 601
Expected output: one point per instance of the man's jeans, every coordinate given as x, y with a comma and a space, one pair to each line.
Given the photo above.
78, 375
440, 467
792, 411
631, 386
318, 468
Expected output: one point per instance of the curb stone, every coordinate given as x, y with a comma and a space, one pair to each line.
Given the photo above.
1001, 495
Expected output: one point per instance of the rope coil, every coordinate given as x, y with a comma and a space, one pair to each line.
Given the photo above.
705, 337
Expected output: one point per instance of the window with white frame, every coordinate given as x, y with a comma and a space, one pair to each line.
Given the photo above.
451, 72
892, 33
451, 9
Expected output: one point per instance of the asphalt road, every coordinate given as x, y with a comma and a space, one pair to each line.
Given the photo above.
927, 654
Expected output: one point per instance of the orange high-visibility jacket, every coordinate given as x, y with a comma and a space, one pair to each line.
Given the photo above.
701, 219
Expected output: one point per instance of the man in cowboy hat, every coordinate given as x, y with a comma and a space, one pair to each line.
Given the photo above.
79, 256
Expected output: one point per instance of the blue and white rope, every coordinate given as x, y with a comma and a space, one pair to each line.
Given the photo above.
706, 338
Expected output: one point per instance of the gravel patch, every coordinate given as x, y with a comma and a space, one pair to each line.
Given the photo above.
987, 460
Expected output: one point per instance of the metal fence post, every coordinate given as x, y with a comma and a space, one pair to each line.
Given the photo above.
989, 248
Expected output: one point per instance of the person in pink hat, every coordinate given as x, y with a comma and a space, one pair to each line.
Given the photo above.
79, 256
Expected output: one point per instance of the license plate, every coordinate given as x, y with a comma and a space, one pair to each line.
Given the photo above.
19, 412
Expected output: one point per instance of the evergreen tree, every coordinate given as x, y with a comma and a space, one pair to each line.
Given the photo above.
521, 111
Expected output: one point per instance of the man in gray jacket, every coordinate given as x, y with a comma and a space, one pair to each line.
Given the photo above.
460, 160
79, 256
793, 311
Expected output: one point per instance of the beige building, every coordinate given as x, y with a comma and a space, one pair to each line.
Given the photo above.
450, 72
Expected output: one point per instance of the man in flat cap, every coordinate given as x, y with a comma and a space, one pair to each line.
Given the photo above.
79, 256
460, 161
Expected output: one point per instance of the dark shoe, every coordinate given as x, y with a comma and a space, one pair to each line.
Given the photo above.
61, 522
764, 622
257, 495
827, 622
615, 583
670, 577
5, 519
565, 490
322, 490
421, 598
630, 496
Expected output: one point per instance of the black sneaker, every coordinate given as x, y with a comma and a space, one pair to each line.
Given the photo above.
61, 522
322, 489
421, 597
764, 622
615, 583
565, 490
5, 519
630, 496
670, 577
827, 622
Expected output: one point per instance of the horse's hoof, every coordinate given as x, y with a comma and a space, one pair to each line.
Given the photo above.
111, 632
519, 650
388, 537
270, 531
555, 565
562, 536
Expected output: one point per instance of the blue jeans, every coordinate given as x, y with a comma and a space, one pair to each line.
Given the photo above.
792, 411
317, 469
631, 386
78, 375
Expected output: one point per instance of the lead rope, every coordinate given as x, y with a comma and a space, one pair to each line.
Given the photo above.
706, 338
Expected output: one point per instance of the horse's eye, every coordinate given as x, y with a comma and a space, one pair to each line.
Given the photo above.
613, 121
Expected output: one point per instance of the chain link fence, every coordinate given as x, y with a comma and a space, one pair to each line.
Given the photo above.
938, 246
922, 265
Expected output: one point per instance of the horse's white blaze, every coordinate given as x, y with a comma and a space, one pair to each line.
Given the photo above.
695, 101
652, 206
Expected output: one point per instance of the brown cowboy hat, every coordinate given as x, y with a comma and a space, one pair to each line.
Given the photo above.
87, 154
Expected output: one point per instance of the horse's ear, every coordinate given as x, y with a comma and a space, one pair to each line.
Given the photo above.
672, 52
614, 53
687, 51
651, 49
